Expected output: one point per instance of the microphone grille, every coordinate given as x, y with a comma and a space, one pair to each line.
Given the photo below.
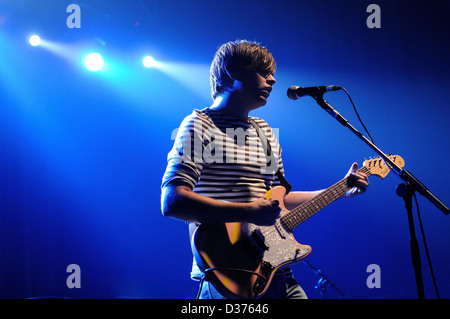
292, 92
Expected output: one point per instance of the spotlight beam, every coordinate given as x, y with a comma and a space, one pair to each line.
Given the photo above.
34, 40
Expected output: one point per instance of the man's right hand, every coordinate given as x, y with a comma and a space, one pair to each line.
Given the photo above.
264, 212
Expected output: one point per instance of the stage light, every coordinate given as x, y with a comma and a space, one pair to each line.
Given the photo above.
34, 40
94, 62
149, 62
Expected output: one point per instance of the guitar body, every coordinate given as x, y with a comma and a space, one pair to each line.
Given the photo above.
240, 259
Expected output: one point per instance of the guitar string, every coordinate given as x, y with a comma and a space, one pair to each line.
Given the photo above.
300, 214
287, 220
295, 216
339, 189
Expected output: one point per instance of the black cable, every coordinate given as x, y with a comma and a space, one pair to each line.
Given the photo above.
417, 205
200, 288
231, 269
365, 128
237, 269
357, 114
426, 248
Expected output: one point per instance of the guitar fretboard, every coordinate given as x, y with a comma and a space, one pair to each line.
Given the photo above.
301, 213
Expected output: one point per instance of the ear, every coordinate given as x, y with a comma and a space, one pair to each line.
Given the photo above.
235, 74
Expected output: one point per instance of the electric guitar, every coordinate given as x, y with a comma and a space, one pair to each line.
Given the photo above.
240, 259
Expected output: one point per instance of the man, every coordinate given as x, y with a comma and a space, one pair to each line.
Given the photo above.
215, 171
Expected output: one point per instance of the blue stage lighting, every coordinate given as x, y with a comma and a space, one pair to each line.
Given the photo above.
34, 40
149, 62
94, 62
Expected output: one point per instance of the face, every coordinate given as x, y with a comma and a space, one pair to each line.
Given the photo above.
255, 87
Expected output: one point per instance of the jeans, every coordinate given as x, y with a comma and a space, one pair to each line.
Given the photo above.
281, 287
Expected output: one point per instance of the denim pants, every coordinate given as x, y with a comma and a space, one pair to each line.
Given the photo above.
283, 286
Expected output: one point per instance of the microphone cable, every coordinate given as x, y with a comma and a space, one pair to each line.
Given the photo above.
415, 199
426, 247
357, 114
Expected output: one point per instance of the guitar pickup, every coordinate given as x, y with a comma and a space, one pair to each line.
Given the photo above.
259, 240
254, 244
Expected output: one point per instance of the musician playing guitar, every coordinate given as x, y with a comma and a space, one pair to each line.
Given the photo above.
217, 178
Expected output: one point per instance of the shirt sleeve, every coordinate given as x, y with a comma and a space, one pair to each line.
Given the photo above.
185, 160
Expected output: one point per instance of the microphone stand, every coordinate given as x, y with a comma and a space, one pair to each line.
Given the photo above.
323, 281
406, 190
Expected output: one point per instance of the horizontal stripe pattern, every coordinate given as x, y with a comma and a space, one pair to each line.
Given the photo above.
222, 157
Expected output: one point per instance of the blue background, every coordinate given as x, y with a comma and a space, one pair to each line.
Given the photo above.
82, 153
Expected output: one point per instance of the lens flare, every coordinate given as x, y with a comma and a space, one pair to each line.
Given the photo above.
93, 62
34, 40
149, 62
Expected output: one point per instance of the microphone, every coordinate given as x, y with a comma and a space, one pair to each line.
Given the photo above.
295, 92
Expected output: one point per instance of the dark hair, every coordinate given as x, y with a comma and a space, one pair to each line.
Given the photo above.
235, 56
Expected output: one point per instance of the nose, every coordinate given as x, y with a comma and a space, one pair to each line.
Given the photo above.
271, 79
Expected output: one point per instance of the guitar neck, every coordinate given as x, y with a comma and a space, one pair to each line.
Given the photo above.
301, 213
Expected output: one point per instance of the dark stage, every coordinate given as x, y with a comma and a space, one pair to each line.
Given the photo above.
84, 144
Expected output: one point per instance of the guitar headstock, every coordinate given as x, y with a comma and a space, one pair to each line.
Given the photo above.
377, 166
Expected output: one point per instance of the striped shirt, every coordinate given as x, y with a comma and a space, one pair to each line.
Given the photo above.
222, 157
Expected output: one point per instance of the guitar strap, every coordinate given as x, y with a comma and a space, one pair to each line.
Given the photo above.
268, 151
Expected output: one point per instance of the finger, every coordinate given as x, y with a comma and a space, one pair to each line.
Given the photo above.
277, 210
361, 184
351, 192
362, 178
362, 175
353, 168
354, 191
277, 214
361, 188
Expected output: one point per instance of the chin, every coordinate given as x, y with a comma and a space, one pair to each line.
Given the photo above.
262, 101
258, 102
257, 106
